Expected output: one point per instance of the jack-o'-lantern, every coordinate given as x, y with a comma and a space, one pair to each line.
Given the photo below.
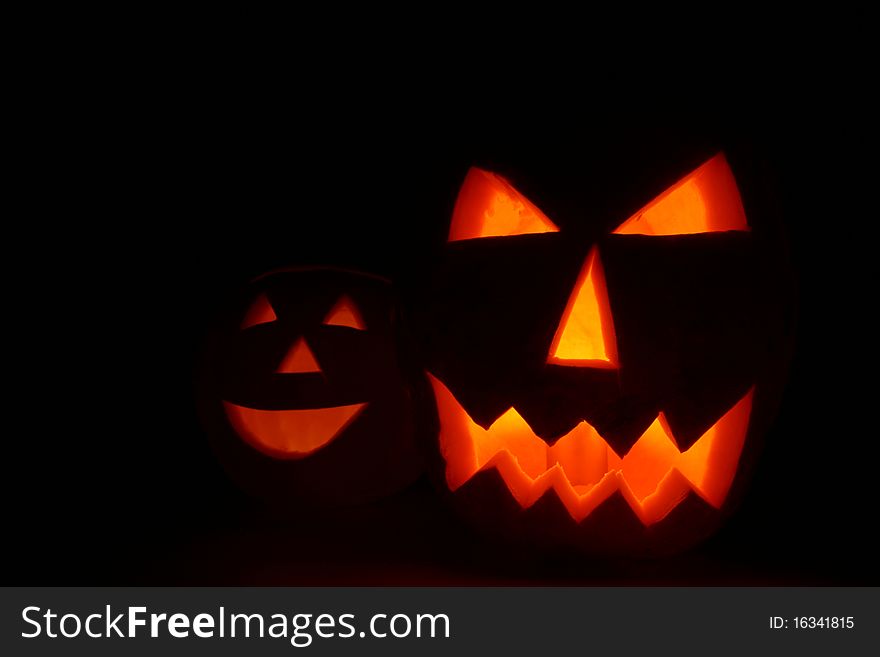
605, 354
302, 390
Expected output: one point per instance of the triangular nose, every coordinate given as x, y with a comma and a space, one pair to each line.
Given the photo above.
585, 337
299, 360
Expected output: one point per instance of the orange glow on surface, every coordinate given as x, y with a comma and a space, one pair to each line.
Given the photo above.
489, 206
654, 476
291, 433
345, 313
260, 312
585, 336
705, 201
299, 360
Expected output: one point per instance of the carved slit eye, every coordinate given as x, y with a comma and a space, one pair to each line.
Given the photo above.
705, 201
260, 312
345, 313
489, 206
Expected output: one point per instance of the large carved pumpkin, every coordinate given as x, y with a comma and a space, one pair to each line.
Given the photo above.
302, 390
606, 346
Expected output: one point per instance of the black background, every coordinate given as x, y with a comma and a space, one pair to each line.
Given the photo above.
152, 218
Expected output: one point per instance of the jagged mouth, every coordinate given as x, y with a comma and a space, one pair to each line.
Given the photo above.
290, 434
654, 476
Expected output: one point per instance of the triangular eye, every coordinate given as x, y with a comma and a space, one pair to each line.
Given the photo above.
345, 313
489, 206
705, 201
260, 312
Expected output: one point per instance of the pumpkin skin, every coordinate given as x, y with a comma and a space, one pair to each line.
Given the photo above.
302, 393
605, 450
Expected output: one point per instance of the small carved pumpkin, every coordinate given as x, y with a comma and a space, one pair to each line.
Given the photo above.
303, 393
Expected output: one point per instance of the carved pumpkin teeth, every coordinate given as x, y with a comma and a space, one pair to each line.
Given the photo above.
290, 434
583, 470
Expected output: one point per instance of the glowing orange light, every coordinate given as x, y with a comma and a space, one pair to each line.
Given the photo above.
299, 360
654, 476
585, 336
705, 201
260, 312
290, 434
345, 313
489, 206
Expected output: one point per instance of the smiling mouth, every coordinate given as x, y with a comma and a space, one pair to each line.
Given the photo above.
654, 476
290, 434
